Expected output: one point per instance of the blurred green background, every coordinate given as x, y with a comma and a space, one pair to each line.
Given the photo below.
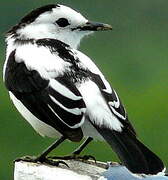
133, 57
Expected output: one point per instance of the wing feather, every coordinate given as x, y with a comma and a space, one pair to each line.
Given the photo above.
112, 100
57, 102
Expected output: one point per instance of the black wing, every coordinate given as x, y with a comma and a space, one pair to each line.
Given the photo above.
56, 102
113, 102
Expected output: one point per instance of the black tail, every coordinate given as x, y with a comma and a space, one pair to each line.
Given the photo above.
132, 153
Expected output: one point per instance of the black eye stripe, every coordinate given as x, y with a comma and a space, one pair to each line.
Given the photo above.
62, 22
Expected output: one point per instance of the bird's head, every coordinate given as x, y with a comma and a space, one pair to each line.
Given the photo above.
56, 22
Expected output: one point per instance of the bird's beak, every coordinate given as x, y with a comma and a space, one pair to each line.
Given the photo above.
94, 26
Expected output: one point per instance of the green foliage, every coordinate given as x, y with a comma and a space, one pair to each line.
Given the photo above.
134, 59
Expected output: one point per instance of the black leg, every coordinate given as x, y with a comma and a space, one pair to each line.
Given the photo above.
43, 155
80, 149
75, 154
82, 146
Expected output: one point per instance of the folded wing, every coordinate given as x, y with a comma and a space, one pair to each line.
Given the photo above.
55, 101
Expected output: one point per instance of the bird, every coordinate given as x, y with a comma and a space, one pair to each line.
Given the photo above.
62, 93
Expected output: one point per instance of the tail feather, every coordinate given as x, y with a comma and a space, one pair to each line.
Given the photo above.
132, 153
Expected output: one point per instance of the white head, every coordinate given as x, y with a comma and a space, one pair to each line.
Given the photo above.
56, 22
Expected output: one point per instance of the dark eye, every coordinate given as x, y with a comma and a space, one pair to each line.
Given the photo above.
62, 22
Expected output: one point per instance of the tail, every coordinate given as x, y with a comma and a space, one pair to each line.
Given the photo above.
132, 153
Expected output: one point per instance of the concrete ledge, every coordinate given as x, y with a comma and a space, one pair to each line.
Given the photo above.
78, 171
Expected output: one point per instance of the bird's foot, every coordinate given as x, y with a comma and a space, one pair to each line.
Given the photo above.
87, 157
27, 159
75, 157
35, 159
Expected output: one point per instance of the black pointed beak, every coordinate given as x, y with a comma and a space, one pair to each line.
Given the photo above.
94, 26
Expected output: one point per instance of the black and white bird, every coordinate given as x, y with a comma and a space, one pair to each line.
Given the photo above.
61, 92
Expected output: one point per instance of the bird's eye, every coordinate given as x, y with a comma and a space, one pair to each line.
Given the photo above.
62, 22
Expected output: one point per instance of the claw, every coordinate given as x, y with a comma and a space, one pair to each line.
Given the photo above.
87, 157
64, 157
76, 157
27, 159
34, 159
55, 163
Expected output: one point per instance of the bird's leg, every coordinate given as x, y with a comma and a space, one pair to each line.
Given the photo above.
76, 152
82, 146
42, 157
